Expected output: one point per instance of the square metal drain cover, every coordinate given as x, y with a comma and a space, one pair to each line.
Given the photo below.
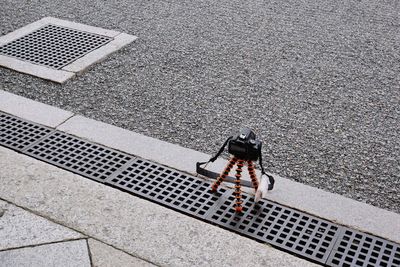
53, 46
57, 49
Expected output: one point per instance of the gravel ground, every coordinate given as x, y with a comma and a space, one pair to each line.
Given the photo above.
318, 81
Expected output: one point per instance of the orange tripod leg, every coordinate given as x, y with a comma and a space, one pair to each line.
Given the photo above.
252, 172
238, 192
223, 175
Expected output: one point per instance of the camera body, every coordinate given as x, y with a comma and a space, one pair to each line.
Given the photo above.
244, 145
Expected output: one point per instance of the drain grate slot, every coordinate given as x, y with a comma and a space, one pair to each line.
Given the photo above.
79, 156
19, 134
166, 186
355, 248
53, 46
281, 226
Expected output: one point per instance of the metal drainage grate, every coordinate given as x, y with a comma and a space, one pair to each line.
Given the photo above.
166, 186
283, 227
292, 230
272, 223
19, 134
53, 46
84, 158
359, 249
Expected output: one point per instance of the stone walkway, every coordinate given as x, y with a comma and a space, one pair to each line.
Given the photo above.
27, 239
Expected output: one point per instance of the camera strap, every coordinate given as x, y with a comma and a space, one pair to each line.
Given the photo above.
270, 177
221, 149
213, 175
203, 171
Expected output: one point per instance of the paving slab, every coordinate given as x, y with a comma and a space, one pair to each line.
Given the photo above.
32, 110
128, 223
106, 256
64, 254
19, 228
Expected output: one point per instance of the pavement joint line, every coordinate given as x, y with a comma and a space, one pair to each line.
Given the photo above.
392, 237
39, 214
41, 113
130, 254
89, 253
114, 247
61, 123
68, 227
43, 244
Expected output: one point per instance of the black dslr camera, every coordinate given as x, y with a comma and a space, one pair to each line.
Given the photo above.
244, 145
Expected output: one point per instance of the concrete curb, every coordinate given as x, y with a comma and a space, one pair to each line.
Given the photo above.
323, 204
32, 110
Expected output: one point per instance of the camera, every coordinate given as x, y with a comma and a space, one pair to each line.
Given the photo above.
244, 145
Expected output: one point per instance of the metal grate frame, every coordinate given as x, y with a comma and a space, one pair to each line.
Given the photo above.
289, 229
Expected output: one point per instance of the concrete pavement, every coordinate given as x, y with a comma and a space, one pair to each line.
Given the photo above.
28, 239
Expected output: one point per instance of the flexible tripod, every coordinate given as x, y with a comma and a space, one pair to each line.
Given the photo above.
238, 193
244, 148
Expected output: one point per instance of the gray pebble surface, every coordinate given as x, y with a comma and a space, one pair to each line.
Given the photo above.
318, 81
